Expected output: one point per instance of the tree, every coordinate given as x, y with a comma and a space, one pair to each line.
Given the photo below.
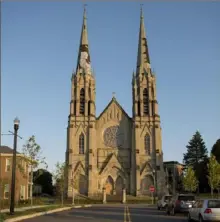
59, 177
190, 181
216, 150
196, 157
44, 178
213, 173
74, 184
196, 151
33, 152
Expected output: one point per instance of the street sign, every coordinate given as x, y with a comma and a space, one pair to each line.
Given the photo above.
152, 189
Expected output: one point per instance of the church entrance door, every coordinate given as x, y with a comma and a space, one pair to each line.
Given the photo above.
109, 185
119, 185
82, 184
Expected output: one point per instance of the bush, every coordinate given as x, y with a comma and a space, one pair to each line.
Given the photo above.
2, 218
21, 202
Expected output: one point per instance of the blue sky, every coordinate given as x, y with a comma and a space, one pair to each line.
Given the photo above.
40, 43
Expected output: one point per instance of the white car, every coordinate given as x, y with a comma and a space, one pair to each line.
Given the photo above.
205, 210
163, 202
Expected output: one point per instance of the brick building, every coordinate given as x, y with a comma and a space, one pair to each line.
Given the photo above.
22, 175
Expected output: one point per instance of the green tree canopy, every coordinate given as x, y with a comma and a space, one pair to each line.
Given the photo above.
59, 177
44, 178
190, 181
213, 173
216, 150
196, 151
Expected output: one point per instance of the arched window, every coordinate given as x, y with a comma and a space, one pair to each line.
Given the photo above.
146, 102
139, 109
147, 144
82, 102
89, 108
152, 104
90, 94
81, 144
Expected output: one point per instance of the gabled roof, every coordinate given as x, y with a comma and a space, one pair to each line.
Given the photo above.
112, 160
6, 149
113, 100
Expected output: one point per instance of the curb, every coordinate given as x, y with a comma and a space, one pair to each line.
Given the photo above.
43, 213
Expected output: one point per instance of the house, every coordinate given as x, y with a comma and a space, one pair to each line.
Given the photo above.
22, 174
174, 171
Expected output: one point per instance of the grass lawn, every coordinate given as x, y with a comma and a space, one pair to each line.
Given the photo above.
208, 195
4, 216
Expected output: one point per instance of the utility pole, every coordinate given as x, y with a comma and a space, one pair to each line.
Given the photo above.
12, 204
174, 179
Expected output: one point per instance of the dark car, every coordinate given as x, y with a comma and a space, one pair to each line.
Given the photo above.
180, 203
162, 203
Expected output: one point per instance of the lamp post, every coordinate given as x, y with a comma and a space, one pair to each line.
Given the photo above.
174, 179
154, 184
12, 205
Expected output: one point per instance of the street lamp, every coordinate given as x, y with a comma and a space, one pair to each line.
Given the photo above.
153, 172
16, 126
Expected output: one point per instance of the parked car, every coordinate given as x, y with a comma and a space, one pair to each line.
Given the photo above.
162, 203
180, 203
205, 210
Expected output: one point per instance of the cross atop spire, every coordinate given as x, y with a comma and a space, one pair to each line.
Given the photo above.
141, 10
84, 63
143, 59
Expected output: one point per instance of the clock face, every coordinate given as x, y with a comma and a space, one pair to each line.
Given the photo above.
113, 137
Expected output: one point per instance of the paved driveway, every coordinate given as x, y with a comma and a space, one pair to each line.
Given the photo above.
110, 213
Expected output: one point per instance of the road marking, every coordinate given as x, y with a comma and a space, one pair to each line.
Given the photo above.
125, 210
127, 216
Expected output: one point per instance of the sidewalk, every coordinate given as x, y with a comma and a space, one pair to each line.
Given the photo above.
20, 209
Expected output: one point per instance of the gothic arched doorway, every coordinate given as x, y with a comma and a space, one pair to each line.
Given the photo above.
82, 184
109, 185
146, 182
119, 185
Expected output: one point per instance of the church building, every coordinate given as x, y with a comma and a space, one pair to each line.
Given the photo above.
114, 150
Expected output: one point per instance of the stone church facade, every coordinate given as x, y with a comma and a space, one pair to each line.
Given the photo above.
114, 151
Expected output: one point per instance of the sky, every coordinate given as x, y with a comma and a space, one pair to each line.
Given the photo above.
39, 49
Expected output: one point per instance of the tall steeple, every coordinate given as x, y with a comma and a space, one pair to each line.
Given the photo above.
83, 62
143, 59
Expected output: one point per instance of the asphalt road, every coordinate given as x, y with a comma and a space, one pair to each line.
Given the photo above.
110, 213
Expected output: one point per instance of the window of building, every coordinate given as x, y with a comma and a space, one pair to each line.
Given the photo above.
22, 192
90, 94
8, 165
81, 144
147, 144
146, 101
139, 108
82, 101
89, 108
6, 191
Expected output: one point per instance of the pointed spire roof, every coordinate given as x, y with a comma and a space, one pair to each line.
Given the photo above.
84, 34
143, 58
84, 63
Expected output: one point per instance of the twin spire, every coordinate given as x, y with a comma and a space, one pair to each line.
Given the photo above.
143, 58
84, 63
